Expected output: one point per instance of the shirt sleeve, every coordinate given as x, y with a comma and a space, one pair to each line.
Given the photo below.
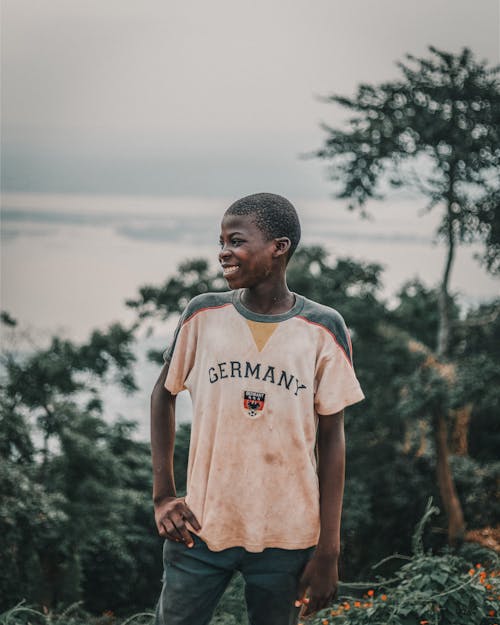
180, 355
336, 384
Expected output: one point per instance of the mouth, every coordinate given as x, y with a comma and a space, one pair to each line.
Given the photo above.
228, 270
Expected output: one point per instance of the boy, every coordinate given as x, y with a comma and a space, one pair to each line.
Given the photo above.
270, 373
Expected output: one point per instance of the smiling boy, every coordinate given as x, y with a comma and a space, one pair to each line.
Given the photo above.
270, 373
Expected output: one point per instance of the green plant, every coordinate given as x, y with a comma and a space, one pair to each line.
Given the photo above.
427, 590
22, 614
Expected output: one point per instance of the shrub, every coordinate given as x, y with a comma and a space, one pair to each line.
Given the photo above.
429, 589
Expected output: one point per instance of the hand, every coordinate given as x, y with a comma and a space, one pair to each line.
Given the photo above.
171, 514
321, 577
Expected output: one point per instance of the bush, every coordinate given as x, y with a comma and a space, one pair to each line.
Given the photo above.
429, 589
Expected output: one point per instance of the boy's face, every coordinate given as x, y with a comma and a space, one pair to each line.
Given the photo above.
246, 256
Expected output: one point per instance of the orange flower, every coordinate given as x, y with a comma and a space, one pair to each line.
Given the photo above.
357, 604
324, 621
478, 566
471, 571
384, 597
491, 613
371, 593
347, 606
368, 604
424, 622
489, 586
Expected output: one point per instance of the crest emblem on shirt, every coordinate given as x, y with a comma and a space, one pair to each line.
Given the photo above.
253, 403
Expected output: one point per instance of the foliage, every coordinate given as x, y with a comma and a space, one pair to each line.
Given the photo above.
181, 453
434, 129
74, 614
75, 510
193, 277
417, 313
427, 590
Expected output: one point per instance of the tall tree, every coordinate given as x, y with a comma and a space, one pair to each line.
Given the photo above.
436, 130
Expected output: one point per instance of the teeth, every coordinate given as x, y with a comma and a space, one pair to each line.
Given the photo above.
231, 269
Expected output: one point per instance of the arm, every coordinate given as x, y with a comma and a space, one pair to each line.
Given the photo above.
171, 512
321, 572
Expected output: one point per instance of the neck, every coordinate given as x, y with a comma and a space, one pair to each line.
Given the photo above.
268, 299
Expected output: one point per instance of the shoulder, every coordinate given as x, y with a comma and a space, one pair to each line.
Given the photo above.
330, 320
199, 303
206, 301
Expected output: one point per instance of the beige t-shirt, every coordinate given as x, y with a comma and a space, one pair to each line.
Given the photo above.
258, 383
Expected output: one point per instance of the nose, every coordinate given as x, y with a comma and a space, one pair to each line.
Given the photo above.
224, 253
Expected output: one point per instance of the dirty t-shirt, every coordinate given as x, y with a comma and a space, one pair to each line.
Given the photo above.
258, 383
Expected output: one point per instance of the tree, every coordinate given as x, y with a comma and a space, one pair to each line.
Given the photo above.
435, 130
75, 514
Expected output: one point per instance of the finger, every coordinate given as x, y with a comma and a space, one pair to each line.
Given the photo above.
186, 536
161, 530
315, 604
190, 518
311, 606
302, 603
306, 611
171, 531
182, 530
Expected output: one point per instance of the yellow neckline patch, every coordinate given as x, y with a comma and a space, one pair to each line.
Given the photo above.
261, 332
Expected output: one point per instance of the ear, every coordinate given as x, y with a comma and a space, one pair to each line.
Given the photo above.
282, 245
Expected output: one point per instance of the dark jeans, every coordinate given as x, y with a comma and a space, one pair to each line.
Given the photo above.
195, 578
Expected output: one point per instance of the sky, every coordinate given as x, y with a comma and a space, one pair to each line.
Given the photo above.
127, 127
200, 98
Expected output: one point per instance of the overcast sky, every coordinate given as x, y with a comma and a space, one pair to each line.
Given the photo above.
200, 98
105, 102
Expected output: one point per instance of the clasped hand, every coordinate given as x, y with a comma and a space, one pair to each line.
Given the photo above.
171, 515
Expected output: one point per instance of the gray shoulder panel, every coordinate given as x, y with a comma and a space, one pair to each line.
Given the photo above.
200, 302
331, 320
204, 301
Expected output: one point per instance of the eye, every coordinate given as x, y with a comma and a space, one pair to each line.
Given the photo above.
234, 242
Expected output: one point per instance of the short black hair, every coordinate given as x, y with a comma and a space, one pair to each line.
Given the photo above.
274, 215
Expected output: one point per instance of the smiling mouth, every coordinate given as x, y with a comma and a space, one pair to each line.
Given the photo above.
226, 271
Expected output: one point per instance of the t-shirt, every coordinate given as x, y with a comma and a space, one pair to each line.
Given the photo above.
258, 383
